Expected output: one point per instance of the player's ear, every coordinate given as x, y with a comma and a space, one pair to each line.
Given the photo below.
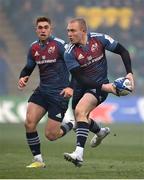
35, 28
51, 28
84, 30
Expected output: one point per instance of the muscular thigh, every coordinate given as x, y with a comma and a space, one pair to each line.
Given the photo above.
52, 127
90, 99
34, 113
86, 104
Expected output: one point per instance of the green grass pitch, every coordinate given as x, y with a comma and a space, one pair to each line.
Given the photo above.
120, 156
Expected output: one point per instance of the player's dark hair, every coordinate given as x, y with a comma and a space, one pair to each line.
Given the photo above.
43, 19
81, 22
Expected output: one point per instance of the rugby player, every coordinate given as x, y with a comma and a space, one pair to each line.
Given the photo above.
53, 92
86, 60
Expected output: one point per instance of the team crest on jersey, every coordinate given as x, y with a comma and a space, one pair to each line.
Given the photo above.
94, 47
36, 53
80, 56
51, 49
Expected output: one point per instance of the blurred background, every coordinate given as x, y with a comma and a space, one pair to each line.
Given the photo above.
121, 155
123, 20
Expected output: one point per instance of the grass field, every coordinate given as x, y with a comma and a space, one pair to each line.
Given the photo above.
120, 156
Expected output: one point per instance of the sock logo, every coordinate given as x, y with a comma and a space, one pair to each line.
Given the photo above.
78, 144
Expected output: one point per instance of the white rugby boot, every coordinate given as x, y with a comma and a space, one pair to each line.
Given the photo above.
74, 158
97, 139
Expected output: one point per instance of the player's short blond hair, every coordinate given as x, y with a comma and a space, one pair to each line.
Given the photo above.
81, 22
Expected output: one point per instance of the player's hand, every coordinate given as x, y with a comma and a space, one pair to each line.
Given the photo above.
131, 78
67, 92
109, 88
22, 82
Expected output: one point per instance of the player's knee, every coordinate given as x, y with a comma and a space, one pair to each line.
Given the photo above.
80, 114
30, 125
51, 136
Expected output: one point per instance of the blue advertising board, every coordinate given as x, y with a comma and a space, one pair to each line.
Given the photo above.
126, 109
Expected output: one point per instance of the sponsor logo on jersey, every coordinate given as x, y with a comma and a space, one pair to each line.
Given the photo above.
92, 61
51, 49
46, 61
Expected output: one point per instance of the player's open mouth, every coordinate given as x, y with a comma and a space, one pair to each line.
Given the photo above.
43, 35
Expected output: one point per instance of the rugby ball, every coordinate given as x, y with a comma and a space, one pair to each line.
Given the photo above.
123, 86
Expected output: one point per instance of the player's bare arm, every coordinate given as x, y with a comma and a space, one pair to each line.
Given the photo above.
22, 82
